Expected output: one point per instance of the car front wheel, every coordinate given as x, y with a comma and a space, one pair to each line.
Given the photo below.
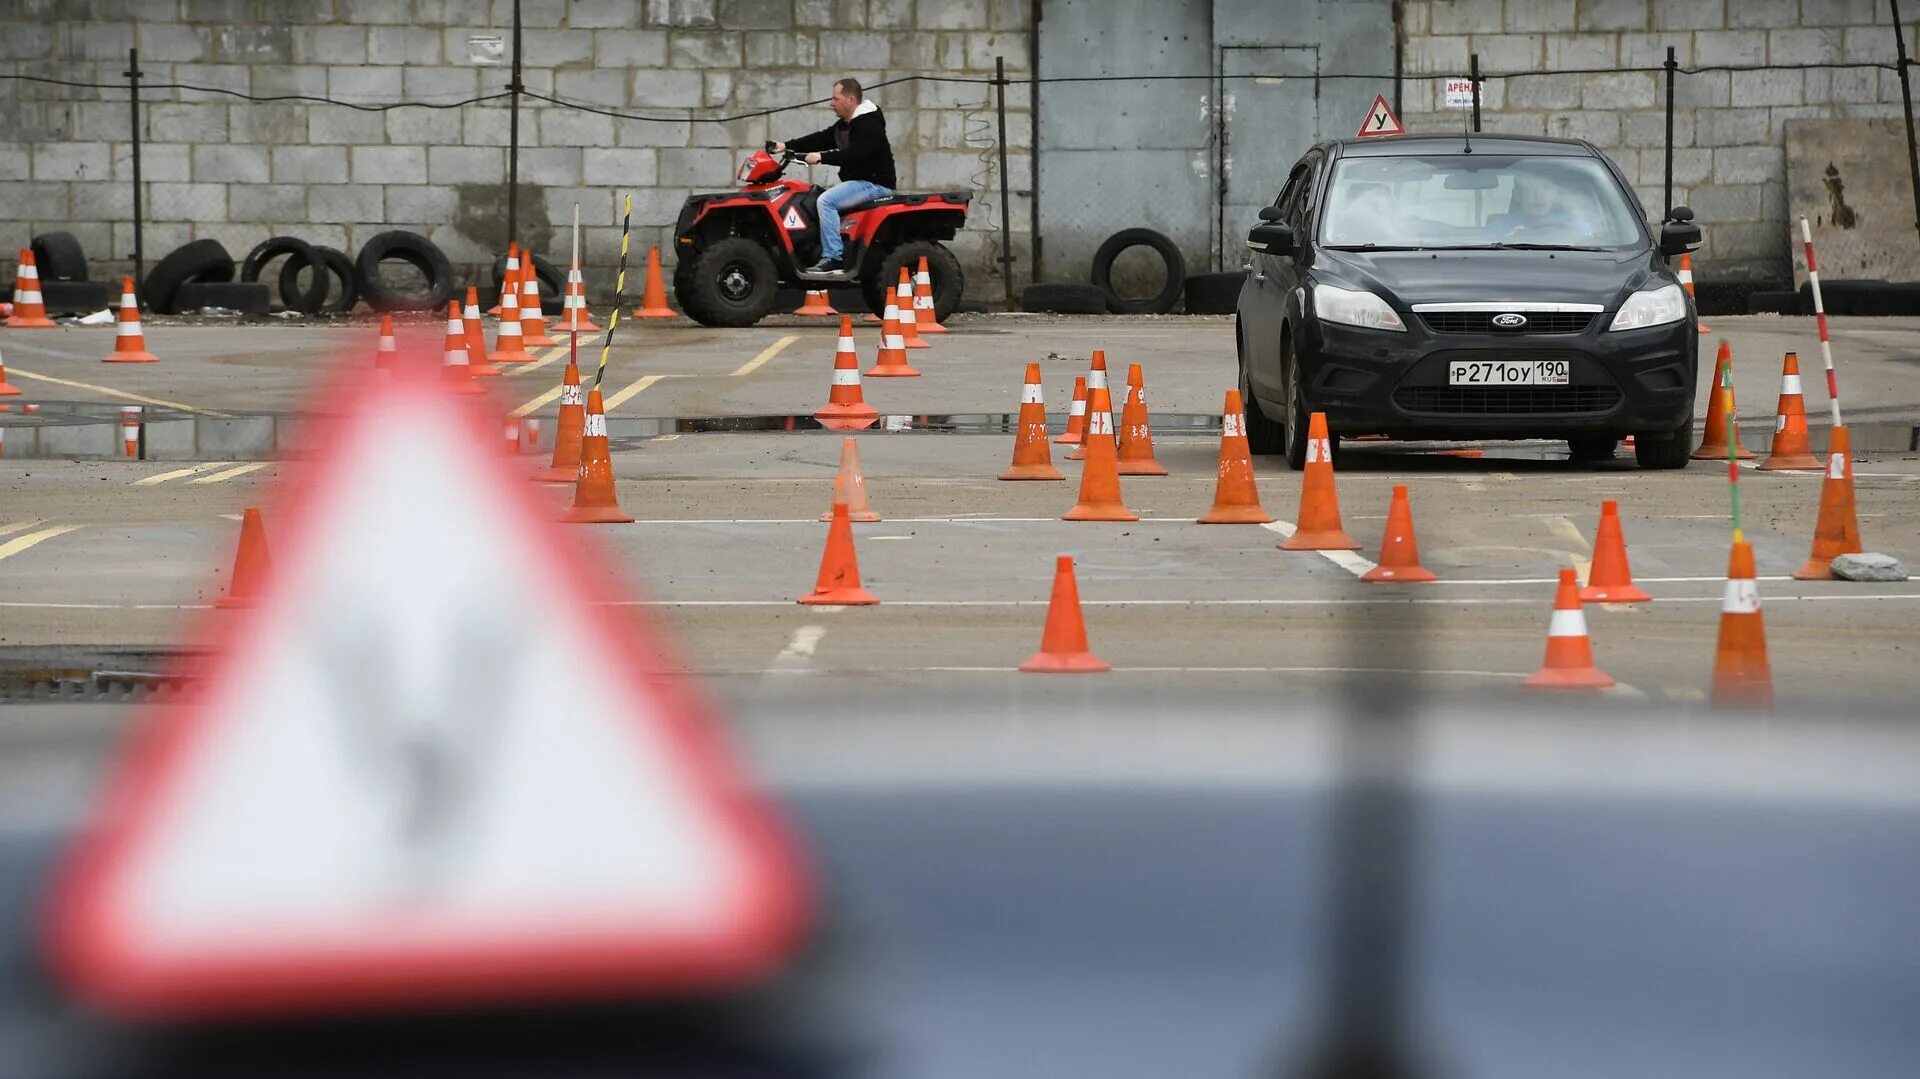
1299, 411
1665, 449
1263, 435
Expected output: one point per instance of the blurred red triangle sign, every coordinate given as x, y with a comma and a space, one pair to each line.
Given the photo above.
430, 767
1381, 120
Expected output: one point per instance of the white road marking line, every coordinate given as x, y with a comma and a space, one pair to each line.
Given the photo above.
1247, 670
803, 642
111, 392
177, 473
636, 386
1346, 560
221, 477
876, 538
766, 354
20, 543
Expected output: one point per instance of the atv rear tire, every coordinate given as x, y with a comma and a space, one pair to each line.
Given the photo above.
732, 283
949, 281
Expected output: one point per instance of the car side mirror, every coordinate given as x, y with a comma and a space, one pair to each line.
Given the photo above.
1272, 238
1679, 236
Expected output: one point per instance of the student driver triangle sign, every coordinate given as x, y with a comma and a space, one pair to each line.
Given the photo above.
429, 767
1381, 120
792, 220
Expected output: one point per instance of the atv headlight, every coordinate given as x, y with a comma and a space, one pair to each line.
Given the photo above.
1350, 308
1654, 307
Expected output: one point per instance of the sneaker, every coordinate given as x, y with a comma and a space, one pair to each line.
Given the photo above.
827, 266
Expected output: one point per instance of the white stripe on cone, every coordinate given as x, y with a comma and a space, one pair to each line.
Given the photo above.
572, 395
1079, 408
1233, 425
895, 341
1790, 384
845, 345
846, 376
127, 329
1742, 597
1318, 450
1100, 423
596, 424
1030, 395
1567, 624
1837, 466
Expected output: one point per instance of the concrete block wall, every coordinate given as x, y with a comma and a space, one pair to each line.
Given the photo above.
237, 171
1729, 126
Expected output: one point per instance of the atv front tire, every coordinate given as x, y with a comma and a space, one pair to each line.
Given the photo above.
732, 283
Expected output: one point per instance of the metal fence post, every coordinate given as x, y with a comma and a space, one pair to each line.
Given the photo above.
1672, 66
513, 133
1006, 233
133, 114
1906, 101
1473, 80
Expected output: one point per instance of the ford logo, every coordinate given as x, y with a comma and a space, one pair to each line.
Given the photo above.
1509, 321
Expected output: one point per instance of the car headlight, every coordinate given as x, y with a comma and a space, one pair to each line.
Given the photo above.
1654, 307
1350, 308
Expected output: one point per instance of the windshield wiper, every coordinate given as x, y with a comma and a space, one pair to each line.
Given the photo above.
1521, 247
1376, 247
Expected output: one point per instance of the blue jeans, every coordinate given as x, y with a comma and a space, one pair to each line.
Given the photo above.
844, 195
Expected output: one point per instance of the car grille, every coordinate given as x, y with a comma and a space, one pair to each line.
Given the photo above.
1482, 322
1506, 400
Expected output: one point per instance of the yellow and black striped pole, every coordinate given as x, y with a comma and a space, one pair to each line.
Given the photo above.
619, 291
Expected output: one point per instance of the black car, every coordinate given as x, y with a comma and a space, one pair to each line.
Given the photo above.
1447, 287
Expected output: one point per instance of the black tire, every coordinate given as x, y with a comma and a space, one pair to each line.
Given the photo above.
553, 283
1214, 293
731, 283
1664, 449
1592, 447
338, 282
1299, 411
947, 278
58, 257
1064, 298
1169, 253
299, 256
77, 297
1264, 436
416, 251
248, 298
201, 260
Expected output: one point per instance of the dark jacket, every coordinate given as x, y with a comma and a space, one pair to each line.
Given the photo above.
859, 146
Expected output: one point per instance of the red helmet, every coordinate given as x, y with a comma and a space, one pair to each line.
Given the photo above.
760, 167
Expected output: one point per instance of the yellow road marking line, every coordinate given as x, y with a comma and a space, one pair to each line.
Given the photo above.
766, 354
528, 368
632, 388
16, 526
230, 473
535, 404
177, 473
20, 543
111, 392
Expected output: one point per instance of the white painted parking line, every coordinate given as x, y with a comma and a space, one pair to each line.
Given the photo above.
1346, 560
179, 472
221, 477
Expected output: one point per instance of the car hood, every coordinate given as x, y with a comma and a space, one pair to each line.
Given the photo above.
1405, 278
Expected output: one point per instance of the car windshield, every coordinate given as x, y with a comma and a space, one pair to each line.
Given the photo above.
1475, 200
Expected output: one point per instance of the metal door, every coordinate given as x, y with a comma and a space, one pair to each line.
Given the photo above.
1269, 115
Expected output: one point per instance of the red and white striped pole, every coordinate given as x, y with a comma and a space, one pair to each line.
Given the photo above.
1820, 314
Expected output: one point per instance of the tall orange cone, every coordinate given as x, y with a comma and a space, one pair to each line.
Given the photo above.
1032, 454
816, 305
565, 466
1319, 528
510, 280
1096, 380
1235, 498
846, 407
29, 308
576, 318
1399, 551
129, 341
594, 501
1076, 415
1569, 662
1791, 449
508, 344
533, 318
250, 564
1136, 435
7, 389
386, 353
1742, 678
1686, 282
903, 304
839, 581
455, 367
1611, 579
850, 487
653, 300
476, 338
1063, 643
1100, 479
1713, 445
1837, 530
924, 319
892, 360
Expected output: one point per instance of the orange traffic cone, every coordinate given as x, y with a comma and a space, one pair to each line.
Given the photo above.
29, 309
130, 430
1096, 380
903, 304
508, 344
7, 389
1611, 579
816, 305
477, 338
1742, 678
839, 580
129, 342
1136, 437
850, 487
510, 435
1235, 498
1100, 480
455, 368
1713, 444
1076, 415
1837, 530
892, 360
1399, 551
1686, 282
653, 301
510, 280
386, 353
594, 501
1063, 644
924, 319
846, 407
249, 564
533, 319
577, 318
1032, 455
565, 466
1569, 662
1319, 528
1791, 448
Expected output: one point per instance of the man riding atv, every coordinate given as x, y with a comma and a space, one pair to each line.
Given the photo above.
857, 142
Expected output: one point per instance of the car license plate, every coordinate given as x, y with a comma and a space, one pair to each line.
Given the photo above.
1508, 373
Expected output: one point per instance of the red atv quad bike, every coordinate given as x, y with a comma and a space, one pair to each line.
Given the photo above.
737, 248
